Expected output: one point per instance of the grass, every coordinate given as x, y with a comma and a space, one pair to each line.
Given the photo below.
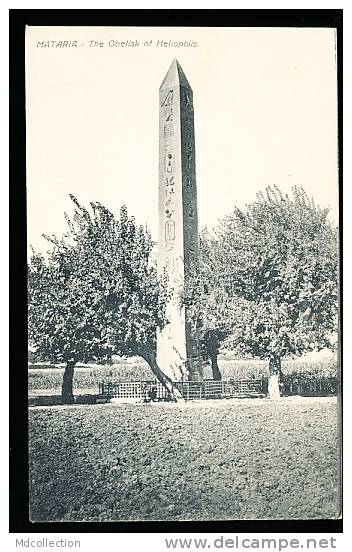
235, 459
45, 378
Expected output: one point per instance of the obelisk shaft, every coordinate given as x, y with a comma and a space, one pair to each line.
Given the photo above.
177, 344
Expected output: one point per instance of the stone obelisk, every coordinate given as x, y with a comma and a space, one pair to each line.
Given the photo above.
177, 343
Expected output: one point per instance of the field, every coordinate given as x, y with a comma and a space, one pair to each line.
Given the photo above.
47, 379
229, 459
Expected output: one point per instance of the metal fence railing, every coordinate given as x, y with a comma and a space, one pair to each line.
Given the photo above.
134, 390
208, 389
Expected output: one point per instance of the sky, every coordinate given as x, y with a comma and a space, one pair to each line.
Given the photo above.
265, 103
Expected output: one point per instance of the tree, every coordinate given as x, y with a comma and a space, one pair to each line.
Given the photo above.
207, 302
275, 265
97, 294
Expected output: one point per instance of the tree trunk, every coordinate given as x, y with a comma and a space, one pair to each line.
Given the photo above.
215, 367
274, 377
67, 383
150, 357
212, 348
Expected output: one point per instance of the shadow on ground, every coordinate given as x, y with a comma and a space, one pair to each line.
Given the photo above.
55, 400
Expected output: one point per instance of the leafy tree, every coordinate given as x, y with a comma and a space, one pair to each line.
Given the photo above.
207, 302
269, 279
96, 294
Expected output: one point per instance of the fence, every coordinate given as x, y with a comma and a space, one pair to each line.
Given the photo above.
190, 390
209, 389
133, 390
221, 389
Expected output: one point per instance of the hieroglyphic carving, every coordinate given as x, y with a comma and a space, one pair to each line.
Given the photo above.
172, 265
169, 230
170, 116
169, 100
188, 101
192, 253
170, 181
190, 230
168, 130
189, 159
169, 163
169, 213
189, 181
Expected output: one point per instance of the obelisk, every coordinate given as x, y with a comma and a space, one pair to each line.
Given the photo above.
177, 343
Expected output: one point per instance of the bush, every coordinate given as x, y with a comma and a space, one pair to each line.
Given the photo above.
88, 377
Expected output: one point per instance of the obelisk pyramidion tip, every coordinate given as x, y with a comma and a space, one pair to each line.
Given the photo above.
175, 76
